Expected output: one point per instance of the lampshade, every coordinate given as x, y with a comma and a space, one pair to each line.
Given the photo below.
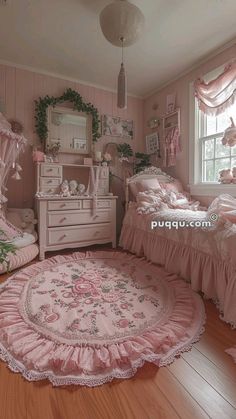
121, 19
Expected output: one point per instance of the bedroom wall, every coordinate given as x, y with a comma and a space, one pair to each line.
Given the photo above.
18, 90
181, 88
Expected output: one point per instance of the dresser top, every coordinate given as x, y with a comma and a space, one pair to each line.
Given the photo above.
72, 198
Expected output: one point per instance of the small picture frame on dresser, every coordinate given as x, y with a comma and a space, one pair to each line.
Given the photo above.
88, 161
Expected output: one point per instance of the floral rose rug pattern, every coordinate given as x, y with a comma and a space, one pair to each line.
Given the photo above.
90, 317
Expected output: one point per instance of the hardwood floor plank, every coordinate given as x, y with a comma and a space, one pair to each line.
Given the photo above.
207, 397
212, 375
184, 404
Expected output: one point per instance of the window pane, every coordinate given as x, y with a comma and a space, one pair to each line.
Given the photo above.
208, 149
233, 162
221, 150
233, 150
219, 165
210, 125
208, 171
222, 122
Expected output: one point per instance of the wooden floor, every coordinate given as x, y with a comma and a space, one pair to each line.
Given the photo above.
200, 384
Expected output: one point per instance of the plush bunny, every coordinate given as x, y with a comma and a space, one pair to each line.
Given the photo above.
65, 188
28, 221
73, 187
225, 176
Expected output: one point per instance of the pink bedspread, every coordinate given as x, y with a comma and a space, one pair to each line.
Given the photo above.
206, 257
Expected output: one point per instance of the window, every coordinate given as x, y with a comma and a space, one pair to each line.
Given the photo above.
207, 155
213, 155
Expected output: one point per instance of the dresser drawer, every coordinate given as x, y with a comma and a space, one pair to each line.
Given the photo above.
50, 190
51, 170
101, 203
77, 234
64, 205
66, 218
49, 182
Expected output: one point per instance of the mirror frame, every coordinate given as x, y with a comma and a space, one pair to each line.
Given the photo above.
72, 96
64, 110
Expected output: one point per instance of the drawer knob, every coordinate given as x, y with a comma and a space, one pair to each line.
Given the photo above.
63, 237
63, 219
49, 170
95, 216
96, 233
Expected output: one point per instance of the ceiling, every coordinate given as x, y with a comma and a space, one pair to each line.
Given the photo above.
64, 37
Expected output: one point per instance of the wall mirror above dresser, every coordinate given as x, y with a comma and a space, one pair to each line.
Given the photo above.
71, 129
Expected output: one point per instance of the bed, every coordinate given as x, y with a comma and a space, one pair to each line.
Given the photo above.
202, 254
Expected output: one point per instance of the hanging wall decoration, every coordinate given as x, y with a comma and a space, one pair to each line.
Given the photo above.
42, 104
117, 127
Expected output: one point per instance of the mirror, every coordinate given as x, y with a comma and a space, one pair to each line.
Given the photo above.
71, 129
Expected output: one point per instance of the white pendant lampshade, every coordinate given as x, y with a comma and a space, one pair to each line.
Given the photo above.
122, 24
122, 19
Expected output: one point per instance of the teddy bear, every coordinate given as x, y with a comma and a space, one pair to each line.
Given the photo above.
28, 221
65, 191
225, 176
73, 187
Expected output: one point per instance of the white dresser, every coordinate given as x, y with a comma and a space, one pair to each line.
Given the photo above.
71, 222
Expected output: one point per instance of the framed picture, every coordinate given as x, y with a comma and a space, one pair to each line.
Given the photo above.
80, 144
170, 103
117, 127
152, 143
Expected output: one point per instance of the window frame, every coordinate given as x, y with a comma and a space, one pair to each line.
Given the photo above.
196, 119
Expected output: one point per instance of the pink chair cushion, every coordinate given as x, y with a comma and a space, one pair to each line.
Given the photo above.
8, 231
20, 258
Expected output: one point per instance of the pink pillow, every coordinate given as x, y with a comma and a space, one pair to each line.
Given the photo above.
146, 184
8, 232
230, 216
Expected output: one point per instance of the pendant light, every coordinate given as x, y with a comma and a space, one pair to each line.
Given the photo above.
122, 24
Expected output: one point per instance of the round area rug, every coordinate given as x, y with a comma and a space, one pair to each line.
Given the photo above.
88, 318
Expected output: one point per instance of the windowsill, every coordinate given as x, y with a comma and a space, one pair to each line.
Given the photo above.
212, 189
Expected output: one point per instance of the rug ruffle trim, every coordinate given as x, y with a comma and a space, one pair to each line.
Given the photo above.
38, 357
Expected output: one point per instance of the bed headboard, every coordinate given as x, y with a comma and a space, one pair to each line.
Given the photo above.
148, 173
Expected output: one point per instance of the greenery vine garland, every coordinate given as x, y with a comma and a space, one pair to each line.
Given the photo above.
79, 105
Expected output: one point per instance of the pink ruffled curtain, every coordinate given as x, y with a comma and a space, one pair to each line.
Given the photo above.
214, 97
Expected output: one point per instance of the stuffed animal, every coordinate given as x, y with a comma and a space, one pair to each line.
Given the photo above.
229, 137
234, 175
225, 176
73, 187
81, 189
65, 188
28, 221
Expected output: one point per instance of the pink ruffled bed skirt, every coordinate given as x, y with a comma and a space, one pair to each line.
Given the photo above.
214, 277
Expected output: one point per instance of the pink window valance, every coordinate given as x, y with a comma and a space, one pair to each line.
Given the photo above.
214, 97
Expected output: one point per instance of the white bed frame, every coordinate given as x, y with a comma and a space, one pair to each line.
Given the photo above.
148, 173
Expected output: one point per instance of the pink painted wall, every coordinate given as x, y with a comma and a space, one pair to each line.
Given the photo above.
18, 90
181, 88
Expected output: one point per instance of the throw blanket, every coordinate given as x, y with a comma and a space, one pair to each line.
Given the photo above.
160, 199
